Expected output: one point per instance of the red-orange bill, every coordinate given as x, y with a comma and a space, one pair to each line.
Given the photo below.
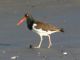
21, 21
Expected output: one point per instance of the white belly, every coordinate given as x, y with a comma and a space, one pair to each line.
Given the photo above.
43, 33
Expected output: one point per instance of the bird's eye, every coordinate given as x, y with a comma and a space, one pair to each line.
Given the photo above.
26, 14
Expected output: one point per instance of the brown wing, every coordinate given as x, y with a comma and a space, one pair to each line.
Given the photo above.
45, 26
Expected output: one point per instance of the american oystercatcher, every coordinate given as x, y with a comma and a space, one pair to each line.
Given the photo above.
41, 28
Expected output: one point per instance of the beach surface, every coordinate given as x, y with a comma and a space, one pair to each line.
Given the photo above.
15, 40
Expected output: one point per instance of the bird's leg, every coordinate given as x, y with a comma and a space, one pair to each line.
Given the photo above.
39, 43
50, 44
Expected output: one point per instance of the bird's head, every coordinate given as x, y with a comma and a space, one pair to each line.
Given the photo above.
23, 19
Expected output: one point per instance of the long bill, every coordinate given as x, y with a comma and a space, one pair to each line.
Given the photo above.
21, 21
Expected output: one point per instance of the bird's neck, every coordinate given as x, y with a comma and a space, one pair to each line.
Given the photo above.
30, 21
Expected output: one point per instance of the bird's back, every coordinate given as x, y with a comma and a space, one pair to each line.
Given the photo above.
45, 26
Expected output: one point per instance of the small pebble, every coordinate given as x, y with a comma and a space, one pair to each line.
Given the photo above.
65, 53
44, 56
14, 57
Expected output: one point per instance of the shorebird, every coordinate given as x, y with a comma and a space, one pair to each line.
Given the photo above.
41, 28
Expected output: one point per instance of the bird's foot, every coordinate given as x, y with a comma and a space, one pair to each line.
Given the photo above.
37, 47
50, 46
31, 46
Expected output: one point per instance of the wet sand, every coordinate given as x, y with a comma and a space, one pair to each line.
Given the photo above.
15, 40
39, 54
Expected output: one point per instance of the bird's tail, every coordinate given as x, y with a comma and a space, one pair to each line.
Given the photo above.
61, 30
